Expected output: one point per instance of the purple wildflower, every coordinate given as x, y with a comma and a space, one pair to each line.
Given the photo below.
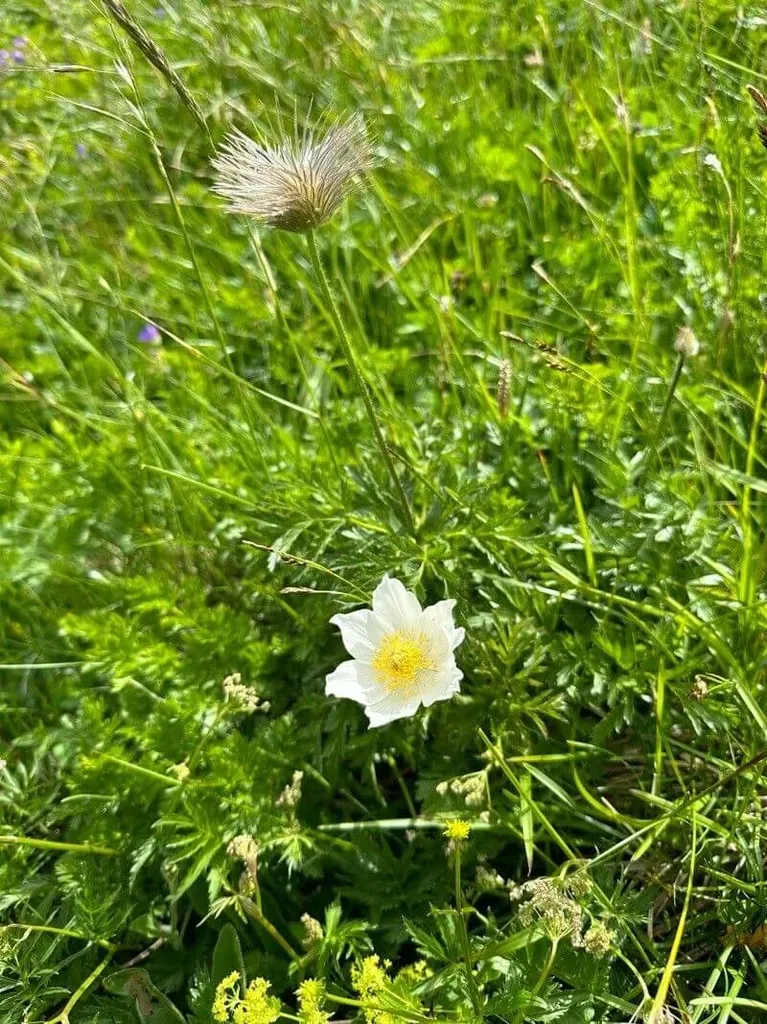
81, 149
20, 42
19, 56
149, 335
4, 57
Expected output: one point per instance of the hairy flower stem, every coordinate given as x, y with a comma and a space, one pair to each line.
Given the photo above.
356, 371
671, 389
257, 914
542, 978
464, 933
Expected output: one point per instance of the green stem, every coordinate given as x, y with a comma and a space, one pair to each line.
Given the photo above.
265, 923
542, 977
745, 583
359, 379
464, 932
138, 769
284, 326
63, 1017
408, 1014
671, 389
50, 844
244, 406
49, 929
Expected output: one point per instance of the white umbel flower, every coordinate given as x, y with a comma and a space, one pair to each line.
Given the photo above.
298, 184
402, 654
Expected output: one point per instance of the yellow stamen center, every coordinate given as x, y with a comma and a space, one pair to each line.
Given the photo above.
401, 657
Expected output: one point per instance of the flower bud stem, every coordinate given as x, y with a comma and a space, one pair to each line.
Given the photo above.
356, 371
257, 914
671, 389
464, 934
542, 979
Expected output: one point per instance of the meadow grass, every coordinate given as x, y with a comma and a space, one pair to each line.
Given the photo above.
561, 187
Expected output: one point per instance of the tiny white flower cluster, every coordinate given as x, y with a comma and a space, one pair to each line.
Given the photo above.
548, 905
662, 1016
245, 848
598, 939
242, 698
487, 878
472, 788
313, 931
291, 794
551, 903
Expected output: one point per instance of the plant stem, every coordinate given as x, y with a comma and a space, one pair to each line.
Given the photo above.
464, 933
258, 915
49, 929
746, 581
51, 844
671, 389
542, 977
359, 379
63, 1017
406, 1014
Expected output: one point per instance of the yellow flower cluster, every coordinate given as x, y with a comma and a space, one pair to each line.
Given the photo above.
310, 995
255, 1007
369, 980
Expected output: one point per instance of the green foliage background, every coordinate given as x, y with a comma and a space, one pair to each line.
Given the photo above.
583, 177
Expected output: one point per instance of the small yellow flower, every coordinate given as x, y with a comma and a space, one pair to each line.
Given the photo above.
369, 977
457, 830
225, 999
256, 1007
369, 980
310, 995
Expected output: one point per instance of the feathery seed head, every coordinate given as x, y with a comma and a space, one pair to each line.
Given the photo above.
686, 343
295, 185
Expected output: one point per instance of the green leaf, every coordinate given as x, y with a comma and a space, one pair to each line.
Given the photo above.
227, 956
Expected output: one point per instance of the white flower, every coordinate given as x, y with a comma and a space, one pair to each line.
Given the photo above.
402, 654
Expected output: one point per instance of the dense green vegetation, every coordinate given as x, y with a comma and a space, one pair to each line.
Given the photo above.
561, 186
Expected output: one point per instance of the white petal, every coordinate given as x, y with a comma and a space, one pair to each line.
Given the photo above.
442, 685
392, 707
355, 632
348, 681
441, 614
396, 607
439, 649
